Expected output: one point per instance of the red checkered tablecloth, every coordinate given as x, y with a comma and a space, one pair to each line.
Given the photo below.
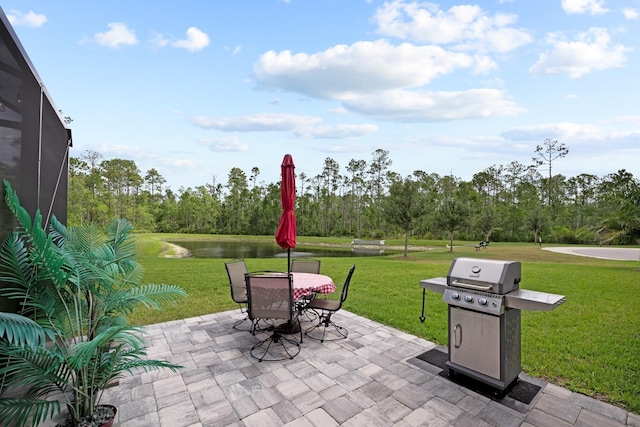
304, 284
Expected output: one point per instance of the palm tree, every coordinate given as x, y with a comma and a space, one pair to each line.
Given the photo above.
78, 285
622, 225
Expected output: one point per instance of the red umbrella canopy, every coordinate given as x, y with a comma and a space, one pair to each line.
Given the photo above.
286, 234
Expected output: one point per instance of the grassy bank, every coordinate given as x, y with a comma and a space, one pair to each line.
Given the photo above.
590, 344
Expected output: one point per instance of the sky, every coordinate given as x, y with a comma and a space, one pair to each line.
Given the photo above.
197, 87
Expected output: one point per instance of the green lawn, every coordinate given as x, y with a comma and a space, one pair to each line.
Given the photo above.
590, 344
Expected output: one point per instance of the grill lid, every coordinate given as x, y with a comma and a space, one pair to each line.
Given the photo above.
487, 275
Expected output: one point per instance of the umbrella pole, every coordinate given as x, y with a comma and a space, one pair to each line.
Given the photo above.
288, 260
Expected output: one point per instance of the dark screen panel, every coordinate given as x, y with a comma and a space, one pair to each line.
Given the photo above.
54, 166
34, 141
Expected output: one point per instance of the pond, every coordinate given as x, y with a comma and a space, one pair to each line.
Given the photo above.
238, 249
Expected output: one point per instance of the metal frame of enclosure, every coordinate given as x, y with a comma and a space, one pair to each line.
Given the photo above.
34, 141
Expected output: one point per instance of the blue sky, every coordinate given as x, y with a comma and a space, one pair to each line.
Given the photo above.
194, 88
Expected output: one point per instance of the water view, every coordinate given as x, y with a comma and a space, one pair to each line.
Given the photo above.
216, 249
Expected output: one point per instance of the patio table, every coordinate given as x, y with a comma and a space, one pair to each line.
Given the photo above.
306, 284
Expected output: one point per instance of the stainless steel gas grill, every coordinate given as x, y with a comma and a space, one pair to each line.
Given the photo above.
485, 300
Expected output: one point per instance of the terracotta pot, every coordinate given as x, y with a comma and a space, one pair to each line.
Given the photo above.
109, 423
111, 420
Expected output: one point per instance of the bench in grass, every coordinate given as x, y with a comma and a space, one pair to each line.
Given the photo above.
482, 245
367, 242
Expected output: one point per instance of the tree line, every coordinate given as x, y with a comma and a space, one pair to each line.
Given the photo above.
366, 199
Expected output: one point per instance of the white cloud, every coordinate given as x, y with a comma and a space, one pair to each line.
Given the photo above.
117, 35
621, 139
362, 67
630, 13
484, 64
180, 163
196, 40
234, 50
414, 106
158, 40
465, 27
228, 143
338, 110
125, 151
593, 7
564, 131
29, 19
384, 81
336, 132
590, 51
256, 123
634, 119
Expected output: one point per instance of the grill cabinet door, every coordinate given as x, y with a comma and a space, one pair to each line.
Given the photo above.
474, 341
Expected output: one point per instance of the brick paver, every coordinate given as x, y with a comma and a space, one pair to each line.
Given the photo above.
371, 378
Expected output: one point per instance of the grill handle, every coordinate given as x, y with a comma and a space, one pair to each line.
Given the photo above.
469, 286
457, 343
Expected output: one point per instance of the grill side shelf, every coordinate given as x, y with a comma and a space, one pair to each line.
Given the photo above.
533, 300
437, 284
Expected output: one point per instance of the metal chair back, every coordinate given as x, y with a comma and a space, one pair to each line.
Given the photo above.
270, 295
345, 287
236, 270
305, 265
325, 308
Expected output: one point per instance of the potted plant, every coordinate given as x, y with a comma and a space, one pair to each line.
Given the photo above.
78, 285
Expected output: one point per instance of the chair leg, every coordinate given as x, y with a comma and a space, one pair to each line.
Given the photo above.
325, 322
241, 321
343, 332
309, 314
291, 348
300, 328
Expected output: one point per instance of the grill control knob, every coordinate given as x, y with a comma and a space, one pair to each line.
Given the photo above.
482, 301
468, 298
455, 295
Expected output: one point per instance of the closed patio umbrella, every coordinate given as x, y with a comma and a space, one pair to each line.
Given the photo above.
286, 234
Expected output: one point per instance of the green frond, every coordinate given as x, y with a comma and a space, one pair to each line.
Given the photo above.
149, 295
37, 374
134, 366
125, 336
87, 239
13, 202
119, 232
15, 264
58, 231
133, 276
26, 412
21, 331
41, 247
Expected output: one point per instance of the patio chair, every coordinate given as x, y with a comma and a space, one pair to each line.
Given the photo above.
236, 271
270, 296
305, 265
325, 308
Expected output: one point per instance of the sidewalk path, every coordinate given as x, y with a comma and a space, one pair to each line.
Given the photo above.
619, 254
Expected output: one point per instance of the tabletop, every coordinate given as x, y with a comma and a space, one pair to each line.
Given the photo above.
305, 284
